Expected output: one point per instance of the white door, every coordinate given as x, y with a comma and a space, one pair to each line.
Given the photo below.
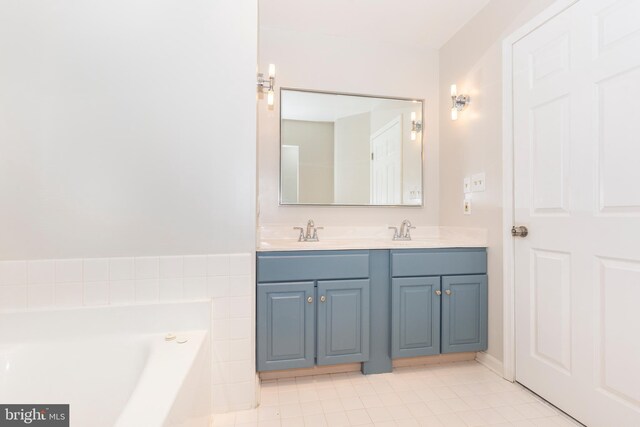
576, 124
386, 164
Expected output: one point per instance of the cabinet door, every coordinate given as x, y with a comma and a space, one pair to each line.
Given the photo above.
285, 329
464, 313
343, 321
415, 316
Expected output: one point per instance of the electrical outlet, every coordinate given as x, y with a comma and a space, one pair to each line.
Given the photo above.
467, 185
467, 206
477, 182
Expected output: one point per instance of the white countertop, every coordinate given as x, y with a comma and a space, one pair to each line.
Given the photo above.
285, 238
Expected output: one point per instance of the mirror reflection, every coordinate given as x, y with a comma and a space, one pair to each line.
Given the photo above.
339, 149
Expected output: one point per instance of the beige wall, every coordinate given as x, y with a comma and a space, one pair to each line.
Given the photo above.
315, 142
352, 161
473, 60
322, 62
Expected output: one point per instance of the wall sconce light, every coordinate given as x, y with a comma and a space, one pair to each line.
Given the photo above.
268, 84
458, 102
416, 126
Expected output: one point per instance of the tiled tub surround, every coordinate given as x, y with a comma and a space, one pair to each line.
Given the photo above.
284, 238
37, 284
226, 280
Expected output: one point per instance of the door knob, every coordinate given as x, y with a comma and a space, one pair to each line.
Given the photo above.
323, 298
310, 300
519, 231
438, 292
448, 292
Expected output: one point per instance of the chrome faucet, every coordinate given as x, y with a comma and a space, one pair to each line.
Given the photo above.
311, 234
405, 231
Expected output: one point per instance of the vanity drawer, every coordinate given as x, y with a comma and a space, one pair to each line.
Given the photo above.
438, 262
312, 265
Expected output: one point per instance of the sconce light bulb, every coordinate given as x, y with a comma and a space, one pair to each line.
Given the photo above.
454, 90
413, 135
270, 97
272, 70
454, 114
413, 116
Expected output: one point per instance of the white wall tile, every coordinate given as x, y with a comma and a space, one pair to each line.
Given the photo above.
240, 370
195, 287
220, 329
240, 395
147, 290
121, 291
41, 295
68, 294
40, 272
239, 264
13, 297
147, 268
219, 308
240, 307
171, 267
171, 289
217, 265
240, 349
95, 270
120, 269
68, 270
13, 272
240, 328
221, 353
240, 286
218, 286
195, 266
96, 293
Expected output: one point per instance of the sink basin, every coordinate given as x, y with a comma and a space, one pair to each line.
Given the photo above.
431, 237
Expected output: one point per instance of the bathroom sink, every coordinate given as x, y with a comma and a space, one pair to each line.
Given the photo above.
283, 238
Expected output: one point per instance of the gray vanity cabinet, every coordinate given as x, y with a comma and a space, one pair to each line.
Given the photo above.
438, 301
343, 321
334, 307
415, 316
286, 326
464, 313
312, 308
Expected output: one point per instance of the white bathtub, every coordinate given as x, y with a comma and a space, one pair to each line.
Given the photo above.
112, 364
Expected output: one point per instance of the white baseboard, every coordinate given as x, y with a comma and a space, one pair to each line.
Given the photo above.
490, 362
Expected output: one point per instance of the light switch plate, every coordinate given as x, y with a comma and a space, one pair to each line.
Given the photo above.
467, 206
467, 185
477, 182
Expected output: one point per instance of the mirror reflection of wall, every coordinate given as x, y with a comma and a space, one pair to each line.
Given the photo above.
350, 150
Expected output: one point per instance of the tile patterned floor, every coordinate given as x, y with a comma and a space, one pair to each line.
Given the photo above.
464, 394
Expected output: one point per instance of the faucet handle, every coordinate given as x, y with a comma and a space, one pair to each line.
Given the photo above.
315, 232
301, 236
409, 228
395, 231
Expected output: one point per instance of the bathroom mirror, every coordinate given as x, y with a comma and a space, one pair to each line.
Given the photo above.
342, 149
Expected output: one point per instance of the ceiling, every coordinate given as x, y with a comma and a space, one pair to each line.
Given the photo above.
427, 23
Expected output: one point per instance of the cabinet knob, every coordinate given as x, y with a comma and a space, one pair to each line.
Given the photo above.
323, 298
438, 292
309, 300
448, 292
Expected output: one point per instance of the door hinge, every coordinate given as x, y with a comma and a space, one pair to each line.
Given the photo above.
371, 156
